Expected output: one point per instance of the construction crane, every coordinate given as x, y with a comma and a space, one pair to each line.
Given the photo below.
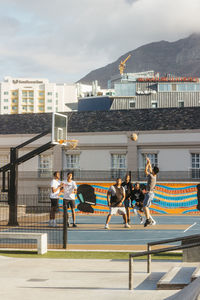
122, 65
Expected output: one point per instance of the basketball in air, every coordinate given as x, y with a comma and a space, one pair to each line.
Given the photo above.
134, 137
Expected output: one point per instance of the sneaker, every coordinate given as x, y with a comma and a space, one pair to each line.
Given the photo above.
127, 225
153, 222
147, 222
74, 225
54, 223
141, 220
68, 224
106, 226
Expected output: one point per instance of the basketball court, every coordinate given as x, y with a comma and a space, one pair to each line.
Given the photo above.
90, 233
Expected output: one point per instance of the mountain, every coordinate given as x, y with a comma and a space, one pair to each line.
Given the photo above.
180, 58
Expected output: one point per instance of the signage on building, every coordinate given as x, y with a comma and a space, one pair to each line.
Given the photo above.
168, 79
15, 81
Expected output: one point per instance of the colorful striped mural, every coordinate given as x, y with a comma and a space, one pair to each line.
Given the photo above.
170, 198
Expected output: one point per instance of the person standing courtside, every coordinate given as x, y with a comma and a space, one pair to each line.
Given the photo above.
115, 199
151, 183
128, 188
70, 189
56, 185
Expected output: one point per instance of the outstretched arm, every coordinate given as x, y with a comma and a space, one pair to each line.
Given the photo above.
148, 168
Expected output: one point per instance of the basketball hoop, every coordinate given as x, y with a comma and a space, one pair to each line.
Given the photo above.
72, 143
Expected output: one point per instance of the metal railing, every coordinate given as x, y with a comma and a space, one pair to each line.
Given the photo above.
157, 251
180, 239
191, 175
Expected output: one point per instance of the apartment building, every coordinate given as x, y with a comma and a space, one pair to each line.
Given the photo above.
28, 95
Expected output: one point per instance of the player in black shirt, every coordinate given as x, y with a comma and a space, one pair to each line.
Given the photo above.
138, 197
128, 189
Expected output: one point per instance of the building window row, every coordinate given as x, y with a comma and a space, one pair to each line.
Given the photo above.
189, 87
118, 163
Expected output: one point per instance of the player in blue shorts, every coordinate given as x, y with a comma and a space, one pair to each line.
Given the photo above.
151, 183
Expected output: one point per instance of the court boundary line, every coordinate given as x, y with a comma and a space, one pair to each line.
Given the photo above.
190, 226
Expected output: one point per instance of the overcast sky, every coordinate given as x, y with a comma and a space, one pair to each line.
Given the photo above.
63, 40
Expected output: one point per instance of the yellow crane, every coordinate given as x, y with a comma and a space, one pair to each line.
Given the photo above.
122, 65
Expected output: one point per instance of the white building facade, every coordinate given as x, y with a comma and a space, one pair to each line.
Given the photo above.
28, 95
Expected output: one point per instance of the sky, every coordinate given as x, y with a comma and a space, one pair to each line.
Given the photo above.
63, 40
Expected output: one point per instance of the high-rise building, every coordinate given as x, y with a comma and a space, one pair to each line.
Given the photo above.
28, 95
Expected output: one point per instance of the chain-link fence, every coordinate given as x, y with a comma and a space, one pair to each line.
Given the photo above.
32, 216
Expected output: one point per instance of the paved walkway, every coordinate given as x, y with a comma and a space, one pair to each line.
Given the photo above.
58, 279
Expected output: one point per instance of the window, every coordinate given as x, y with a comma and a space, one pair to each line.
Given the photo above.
73, 161
154, 104
14, 108
180, 103
14, 93
14, 100
49, 107
5, 93
45, 164
43, 194
41, 101
41, 93
49, 100
132, 104
173, 87
56, 95
5, 107
5, 100
153, 158
195, 157
49, 93
164, 87
118, 165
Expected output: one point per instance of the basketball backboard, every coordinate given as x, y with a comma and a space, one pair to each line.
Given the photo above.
59, 128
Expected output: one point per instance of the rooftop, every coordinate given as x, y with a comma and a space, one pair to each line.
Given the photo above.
105, 121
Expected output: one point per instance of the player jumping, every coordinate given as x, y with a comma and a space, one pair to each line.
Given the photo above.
151, 183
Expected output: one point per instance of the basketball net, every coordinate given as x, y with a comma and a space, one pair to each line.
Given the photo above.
72, 143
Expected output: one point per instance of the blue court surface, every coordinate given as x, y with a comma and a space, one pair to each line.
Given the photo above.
133, 236
90, 230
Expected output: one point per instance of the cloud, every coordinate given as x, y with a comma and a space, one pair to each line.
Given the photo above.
64, 40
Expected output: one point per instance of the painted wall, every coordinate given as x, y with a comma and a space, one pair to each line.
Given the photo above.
170, 198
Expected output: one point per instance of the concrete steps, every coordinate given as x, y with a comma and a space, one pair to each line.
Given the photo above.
178, 277
196, 273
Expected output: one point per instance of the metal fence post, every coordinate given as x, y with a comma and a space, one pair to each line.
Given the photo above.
65, 221
148, 259
130, 272
13, 188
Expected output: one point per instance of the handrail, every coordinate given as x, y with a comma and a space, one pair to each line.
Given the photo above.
174, 239
183, 238
156, 251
